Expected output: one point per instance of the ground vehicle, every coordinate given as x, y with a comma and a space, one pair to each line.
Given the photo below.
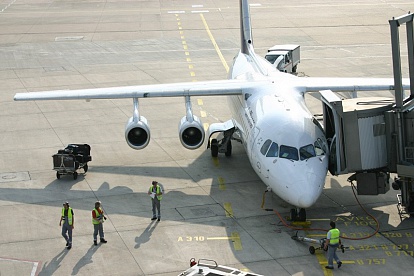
284, 57
72, 158
205, 267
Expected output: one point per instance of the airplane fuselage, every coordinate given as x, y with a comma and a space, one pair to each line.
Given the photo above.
285, 144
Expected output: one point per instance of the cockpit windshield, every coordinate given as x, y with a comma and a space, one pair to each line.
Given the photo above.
307, 152
272, 149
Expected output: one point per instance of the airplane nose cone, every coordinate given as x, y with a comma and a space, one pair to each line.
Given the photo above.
307, 200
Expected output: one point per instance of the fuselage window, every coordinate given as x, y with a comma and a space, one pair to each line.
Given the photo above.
288, 152
273, 150
265, 146
307, 152
320, 147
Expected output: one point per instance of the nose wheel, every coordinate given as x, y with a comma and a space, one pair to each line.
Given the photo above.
297, 214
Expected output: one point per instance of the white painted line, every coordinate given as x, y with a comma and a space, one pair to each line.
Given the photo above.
34, 268
176, 12
197, 6
200, 11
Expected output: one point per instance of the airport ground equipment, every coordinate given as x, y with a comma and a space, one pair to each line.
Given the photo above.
320, 243
285, 58
205, 267
71, 159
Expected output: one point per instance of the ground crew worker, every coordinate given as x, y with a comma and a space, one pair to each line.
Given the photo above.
155, 191
98, 219
68, 224
331, 244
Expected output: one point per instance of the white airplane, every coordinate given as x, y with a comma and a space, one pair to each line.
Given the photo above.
285, 144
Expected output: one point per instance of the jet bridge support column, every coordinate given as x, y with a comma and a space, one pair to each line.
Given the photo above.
403, 118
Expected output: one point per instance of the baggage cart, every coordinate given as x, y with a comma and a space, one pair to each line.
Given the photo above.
71, 159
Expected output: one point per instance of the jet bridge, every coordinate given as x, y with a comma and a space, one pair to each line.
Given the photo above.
374, 137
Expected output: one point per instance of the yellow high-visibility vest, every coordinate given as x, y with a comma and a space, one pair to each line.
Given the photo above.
70, 218
159, 197
334, 236
97, 215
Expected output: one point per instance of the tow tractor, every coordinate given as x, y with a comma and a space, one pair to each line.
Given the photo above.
206, 267
320, 242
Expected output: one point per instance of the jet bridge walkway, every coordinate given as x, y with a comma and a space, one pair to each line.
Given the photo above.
374, 137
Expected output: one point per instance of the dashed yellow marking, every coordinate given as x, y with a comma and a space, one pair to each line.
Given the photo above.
188, 59
185, 47
200, 101
203, 114
184, 42
187, 53
236, 241
228, 209
190, 66
323, 262
192, 74
215, 161
206, 125
222, 183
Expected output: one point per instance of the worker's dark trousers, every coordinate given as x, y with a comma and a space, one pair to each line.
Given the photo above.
98, 228
67, 228
156, 206
332, 254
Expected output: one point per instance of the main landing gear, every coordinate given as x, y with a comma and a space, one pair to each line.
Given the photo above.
297, 214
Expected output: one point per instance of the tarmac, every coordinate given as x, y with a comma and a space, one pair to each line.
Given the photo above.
213, 208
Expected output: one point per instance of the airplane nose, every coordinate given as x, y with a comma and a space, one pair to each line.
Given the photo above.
306, 200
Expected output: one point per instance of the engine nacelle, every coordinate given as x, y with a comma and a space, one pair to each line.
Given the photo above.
191, 133
137, 134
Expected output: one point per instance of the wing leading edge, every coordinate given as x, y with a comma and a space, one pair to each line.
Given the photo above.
206, 88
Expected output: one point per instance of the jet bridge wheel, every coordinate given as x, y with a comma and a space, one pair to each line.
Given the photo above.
57, 175
214, 148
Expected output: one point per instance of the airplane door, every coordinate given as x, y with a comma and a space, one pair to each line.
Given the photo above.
257, 142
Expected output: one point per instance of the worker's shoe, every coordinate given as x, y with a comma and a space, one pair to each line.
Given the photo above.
339, 264
104, 241
153, 218
329, 267
158, 219
69, 246
95, 243
67, 243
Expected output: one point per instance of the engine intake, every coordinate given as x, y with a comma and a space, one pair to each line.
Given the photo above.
191, 133
137, 133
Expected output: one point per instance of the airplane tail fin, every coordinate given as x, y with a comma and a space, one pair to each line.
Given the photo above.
245, 28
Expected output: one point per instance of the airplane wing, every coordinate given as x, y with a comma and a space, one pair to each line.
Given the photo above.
205, 88
313, 84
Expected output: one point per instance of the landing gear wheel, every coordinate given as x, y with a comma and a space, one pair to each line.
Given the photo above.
302, 214
229, 147
85, 168
214, 148
75, 175
312, 250
293, 214
57, 175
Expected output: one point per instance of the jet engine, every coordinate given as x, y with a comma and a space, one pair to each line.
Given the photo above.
137, 133
191, 132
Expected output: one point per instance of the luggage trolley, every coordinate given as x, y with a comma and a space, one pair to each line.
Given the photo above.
72, 158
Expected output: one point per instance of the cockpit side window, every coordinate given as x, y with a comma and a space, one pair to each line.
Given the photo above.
273, 150
265, 146
307, 152
320, 147
288, 152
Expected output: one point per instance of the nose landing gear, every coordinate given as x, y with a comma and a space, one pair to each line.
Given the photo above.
298, 214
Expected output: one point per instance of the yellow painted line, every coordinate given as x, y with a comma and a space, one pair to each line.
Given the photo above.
192, 74
200, 101
228, 209
223, 61
181, 32
323, 262
206, 125
203, 114
188, 59
180, 28
236, 241
215, 161
190, 66
222, 183
182, 37
185, 47
187, 53
316, 235
179, 23
184, 42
